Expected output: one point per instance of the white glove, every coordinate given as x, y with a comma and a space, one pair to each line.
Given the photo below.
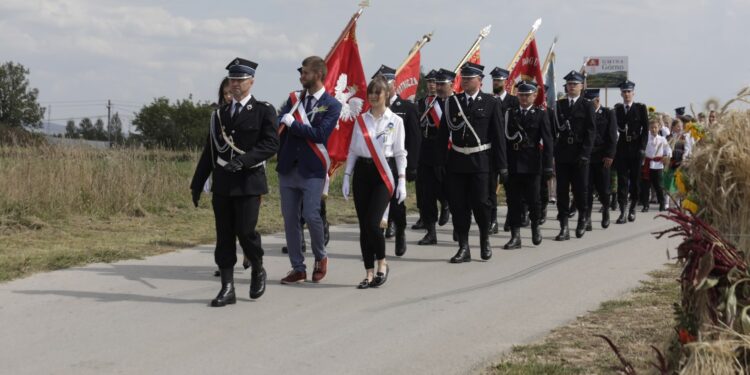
345, 187
401, 190
287, 119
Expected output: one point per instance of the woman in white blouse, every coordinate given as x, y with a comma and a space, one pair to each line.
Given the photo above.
377, 158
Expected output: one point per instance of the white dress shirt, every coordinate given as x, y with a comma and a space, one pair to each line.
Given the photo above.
657, 146
386, 132
243, 102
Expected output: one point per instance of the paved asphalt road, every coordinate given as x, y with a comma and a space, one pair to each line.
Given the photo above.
152, 317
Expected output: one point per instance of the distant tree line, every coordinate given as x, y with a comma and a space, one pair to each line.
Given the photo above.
97, 131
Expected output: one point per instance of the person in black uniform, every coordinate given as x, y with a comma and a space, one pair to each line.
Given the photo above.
408, 112
242, 136
576, 132
507, 101
602, 156
632, 124
527, 127
473, 121
422, 104
430, 183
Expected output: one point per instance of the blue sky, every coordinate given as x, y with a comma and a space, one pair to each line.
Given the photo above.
81, 52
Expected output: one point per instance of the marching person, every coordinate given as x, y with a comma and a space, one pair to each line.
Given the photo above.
507, 101
422, 104
377, 150
657, 148
527, 127
602, 156
408, 113
473, 122
632, 125
242, 136
429, 178
576, 132
305, 123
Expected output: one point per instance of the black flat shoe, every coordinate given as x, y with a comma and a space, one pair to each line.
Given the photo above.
380, 278
364, 284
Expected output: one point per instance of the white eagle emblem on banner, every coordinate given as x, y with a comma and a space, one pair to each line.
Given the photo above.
351, 106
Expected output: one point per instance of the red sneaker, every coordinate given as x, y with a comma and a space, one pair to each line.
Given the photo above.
294, 277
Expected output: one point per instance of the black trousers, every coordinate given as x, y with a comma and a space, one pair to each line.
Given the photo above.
599, 179
430, 191
523, 191
370, 201
493, 195
397, 212
654, 181
467, 193
236, 218
543, 192
628, 178
571, 175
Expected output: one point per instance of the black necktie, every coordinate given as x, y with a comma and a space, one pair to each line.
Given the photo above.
523, 112
237, 108
571, 102
308, 104
469, 100
627, 108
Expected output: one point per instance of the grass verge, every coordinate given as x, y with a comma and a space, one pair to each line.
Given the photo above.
642, 318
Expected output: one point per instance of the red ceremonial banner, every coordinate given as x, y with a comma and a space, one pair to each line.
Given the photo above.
346, 82
407, 79
528, 68
457, 83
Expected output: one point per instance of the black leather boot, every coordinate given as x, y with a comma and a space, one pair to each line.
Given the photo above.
485, 250
515, 239
445, 215
526, 221
605, 219
564, 234
257, 282
418, 225
494, 228
581, 226
589, 228
536, 234
464, 253
400, 241
506, 226
631, 213
226, 294
543, 215
430, 238
613, 202
390, 231
622, 219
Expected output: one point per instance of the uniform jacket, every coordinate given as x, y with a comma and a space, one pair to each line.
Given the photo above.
605, 143
486, 117
525, 155
577, 141
429, 133
253, 131
294, 149
633, 129
510, 101
408, 112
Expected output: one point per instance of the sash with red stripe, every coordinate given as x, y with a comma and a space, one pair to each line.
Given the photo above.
378, 156
318, 148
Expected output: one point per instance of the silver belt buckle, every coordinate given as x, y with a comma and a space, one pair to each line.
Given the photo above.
571, 140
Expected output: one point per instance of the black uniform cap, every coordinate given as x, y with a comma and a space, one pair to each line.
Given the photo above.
240, 68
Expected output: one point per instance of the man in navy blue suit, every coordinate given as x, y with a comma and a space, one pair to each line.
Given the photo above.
305, 122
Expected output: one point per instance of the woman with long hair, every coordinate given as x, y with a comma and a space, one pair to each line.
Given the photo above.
377, 160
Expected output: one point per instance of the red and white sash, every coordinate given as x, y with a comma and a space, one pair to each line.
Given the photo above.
435, 112
318, 148
378, 156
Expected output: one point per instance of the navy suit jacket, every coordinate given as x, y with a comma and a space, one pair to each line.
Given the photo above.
294, 149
